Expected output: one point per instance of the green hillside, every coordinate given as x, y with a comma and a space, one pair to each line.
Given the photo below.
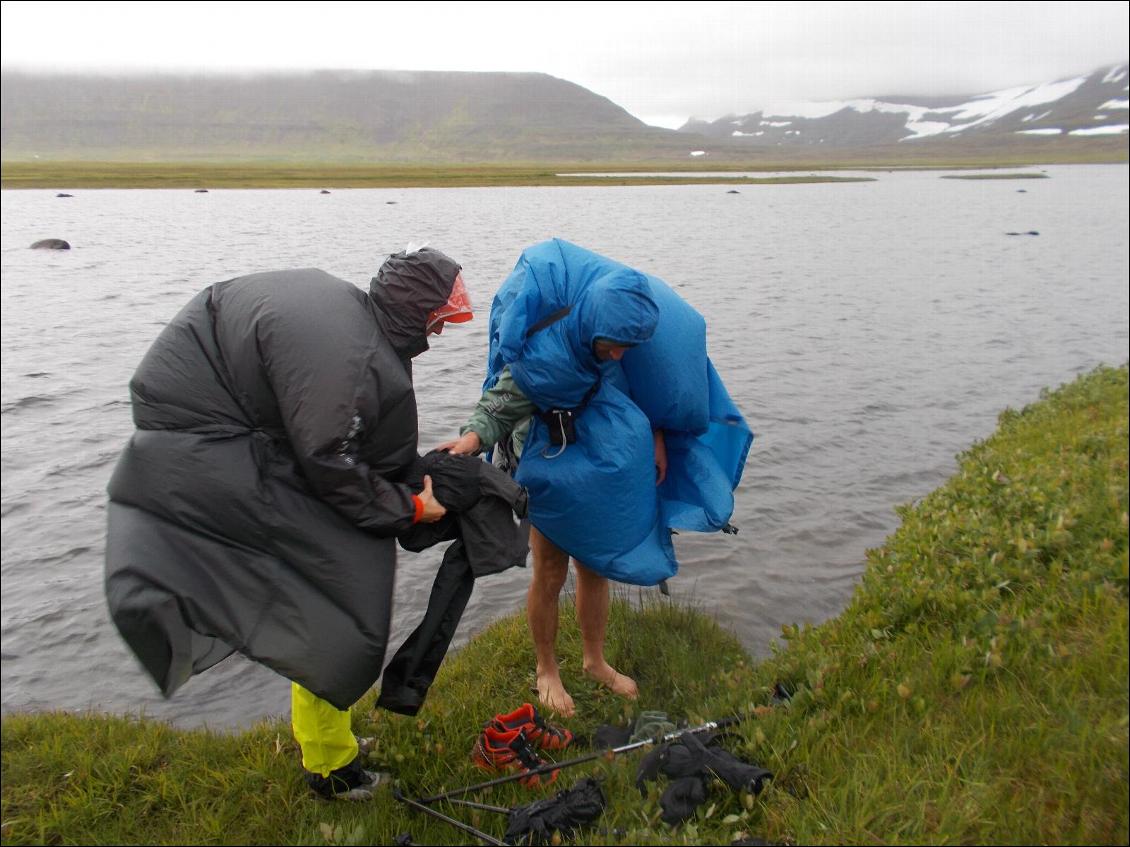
338, 116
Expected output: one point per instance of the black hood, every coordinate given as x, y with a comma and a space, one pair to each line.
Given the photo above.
407, 288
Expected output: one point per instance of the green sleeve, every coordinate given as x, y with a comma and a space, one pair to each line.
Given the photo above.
500, 411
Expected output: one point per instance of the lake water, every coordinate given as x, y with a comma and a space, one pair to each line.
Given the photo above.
868, 331
689, 175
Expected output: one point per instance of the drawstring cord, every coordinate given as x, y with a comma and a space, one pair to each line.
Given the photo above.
560, 423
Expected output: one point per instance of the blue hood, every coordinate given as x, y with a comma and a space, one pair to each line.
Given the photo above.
556, 366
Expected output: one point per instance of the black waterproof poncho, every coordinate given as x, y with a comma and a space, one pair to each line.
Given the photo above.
255, 507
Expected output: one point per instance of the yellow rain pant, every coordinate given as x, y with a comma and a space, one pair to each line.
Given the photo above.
324, 733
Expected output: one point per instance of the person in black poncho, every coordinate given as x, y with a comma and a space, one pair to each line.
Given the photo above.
256, 507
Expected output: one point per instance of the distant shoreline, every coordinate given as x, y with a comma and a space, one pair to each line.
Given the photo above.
329, 176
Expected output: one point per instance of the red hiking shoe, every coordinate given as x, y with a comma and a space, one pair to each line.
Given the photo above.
509, 750
538, 731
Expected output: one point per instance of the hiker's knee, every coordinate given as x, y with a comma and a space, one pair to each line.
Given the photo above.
548, 559
550, 574
589, 579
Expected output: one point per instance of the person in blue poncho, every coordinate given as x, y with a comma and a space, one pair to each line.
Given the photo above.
505, 411
598, 381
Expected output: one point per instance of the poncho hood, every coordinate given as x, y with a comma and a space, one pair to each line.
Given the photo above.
616, 308
406, 289
592, 297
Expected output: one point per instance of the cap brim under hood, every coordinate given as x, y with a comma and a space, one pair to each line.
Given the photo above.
409, 287
617, 308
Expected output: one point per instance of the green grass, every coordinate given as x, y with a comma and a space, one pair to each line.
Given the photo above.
973, 691
330, 176
143, 172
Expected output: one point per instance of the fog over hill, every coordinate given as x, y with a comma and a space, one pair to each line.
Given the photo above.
426, 116
323, 115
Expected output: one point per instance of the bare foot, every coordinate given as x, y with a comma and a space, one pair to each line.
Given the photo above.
613, 680
552, 694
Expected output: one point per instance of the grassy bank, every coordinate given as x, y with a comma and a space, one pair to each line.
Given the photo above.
330, 176
152, 168
142, 169
974, 691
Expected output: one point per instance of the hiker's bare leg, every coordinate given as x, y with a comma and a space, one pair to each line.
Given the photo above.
592, 617
551, 567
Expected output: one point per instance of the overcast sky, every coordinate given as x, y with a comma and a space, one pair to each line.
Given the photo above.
663, 62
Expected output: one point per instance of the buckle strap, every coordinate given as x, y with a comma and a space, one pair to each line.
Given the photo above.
548, 320
544, 726
521, 747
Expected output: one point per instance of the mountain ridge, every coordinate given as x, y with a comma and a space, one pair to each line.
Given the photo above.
380, 116
1091, 104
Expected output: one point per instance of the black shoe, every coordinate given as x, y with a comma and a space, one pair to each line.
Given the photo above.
351, 782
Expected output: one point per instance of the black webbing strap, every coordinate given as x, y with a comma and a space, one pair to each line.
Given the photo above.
548, 320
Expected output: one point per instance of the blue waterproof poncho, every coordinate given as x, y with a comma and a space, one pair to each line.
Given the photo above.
596, 499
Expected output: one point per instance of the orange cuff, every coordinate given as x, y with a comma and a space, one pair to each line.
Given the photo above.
419, 504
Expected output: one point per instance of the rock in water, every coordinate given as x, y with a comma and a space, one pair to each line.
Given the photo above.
51, 244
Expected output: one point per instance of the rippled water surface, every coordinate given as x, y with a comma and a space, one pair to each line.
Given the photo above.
868, 331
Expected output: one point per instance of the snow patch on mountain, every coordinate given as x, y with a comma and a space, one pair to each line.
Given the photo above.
1102, 130
1115, 74
989, 107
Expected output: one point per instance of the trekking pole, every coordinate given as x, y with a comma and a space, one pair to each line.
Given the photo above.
478, 833
580, 760
470, 804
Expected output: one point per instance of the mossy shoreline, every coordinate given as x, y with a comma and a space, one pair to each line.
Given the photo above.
975, 690
92, 175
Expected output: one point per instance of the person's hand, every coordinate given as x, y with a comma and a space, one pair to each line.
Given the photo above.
660, 457
466, 445
433, 509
